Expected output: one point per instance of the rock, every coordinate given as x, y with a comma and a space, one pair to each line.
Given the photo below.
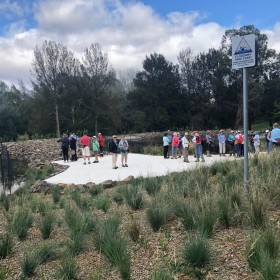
128, 179
90, 185
70, 187
109, 184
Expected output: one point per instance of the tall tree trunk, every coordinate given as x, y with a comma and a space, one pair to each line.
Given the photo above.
57, 121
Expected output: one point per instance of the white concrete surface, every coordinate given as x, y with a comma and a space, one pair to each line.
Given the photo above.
138, 165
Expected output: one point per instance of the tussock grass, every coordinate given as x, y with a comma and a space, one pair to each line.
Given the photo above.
68, 268
6, 245
22, 221
103, 203
46, 224
133, 196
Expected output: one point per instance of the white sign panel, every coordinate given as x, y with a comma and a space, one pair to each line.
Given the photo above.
243, 51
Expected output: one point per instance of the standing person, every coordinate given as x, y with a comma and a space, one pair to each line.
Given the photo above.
113, 149
268, 142
222, 142
123, 146
186, 143
165, 141
175, 143
230, 140
95, 148
194, 142
180, 145
169, 136
85, 142
101, 143
251, 140
275, 135
73, 146
257, 142
64, 147
198, 147
209, 143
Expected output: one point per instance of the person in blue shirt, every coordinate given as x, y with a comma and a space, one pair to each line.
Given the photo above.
230, 140
275, 135
257, 142
165, 141
209, 143
222, 142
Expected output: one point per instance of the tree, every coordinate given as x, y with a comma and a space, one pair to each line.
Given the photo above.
52, 62
157, 97
99, 78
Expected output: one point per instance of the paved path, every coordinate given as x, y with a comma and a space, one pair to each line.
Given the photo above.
138, 165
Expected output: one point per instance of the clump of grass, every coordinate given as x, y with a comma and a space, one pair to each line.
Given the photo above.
55, 195
258, 211
68, 269
134, 198
103, 203
134, 230
158, 213
152, 185
6, 245
161, 274
4, 272
113, 246
185, 212
5, 201
77, 243
22, 221
118, 197
81, 202
197, 253
224, 210
46, 253
96, 190
46, 225
262, 254
29, 264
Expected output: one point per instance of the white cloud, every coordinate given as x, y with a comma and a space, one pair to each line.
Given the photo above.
127, 32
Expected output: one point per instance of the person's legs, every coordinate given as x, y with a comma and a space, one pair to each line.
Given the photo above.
165, 151
220, 148
125, 159
122, 159
197, 152
224, 148
114, 160
186, 154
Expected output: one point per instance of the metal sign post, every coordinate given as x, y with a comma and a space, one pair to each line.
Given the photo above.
243, 56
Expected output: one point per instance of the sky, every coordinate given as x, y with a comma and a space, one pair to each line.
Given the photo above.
126, 30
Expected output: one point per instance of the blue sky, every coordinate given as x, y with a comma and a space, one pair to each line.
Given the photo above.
126, 30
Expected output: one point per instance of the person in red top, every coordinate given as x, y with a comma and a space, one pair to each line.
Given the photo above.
175, 143
198, 147
85, 142
101, 143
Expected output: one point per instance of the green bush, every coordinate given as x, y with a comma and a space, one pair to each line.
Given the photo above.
258, 211
185, 212
46, 253
6, 245
5, 201
68, 269
152, 185
134, 230
29, 264
22, 221
55, 195
96, 190
103, 203
134, 198
197, 252
46, 225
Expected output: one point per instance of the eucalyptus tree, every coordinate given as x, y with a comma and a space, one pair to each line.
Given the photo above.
99, 79
157, 101
52, 63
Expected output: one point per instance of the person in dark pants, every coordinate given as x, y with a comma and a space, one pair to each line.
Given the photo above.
165, 145
65, 147
73, 146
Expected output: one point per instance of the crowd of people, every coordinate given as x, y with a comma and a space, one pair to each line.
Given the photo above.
93, 146
176, 144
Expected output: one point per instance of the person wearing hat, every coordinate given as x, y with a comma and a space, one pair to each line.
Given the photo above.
230, 140
198, 147
185, 144
275, 135
174, 147
209, 143
64, 147
123, 146
95, 148
113, 149
222, 142
268, 142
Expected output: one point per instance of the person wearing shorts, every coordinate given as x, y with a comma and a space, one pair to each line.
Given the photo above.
95, 148
85, 142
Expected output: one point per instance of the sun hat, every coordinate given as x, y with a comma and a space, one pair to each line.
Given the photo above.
186, 133
267, 131
94, 136
114, 136
196, 134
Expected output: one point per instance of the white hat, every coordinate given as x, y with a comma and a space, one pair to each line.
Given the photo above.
267, 131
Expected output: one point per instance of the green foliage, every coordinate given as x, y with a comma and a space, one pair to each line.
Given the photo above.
6, 245
152, 185
5, 201
158, 213
96, 190
185, 212
134, 230
4, 272
46, 225
68, 269
161, 274
81, 202
22, 221
55, 195
197, 252
103, 203
134, 198
29, 264
46, 253
258, 211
